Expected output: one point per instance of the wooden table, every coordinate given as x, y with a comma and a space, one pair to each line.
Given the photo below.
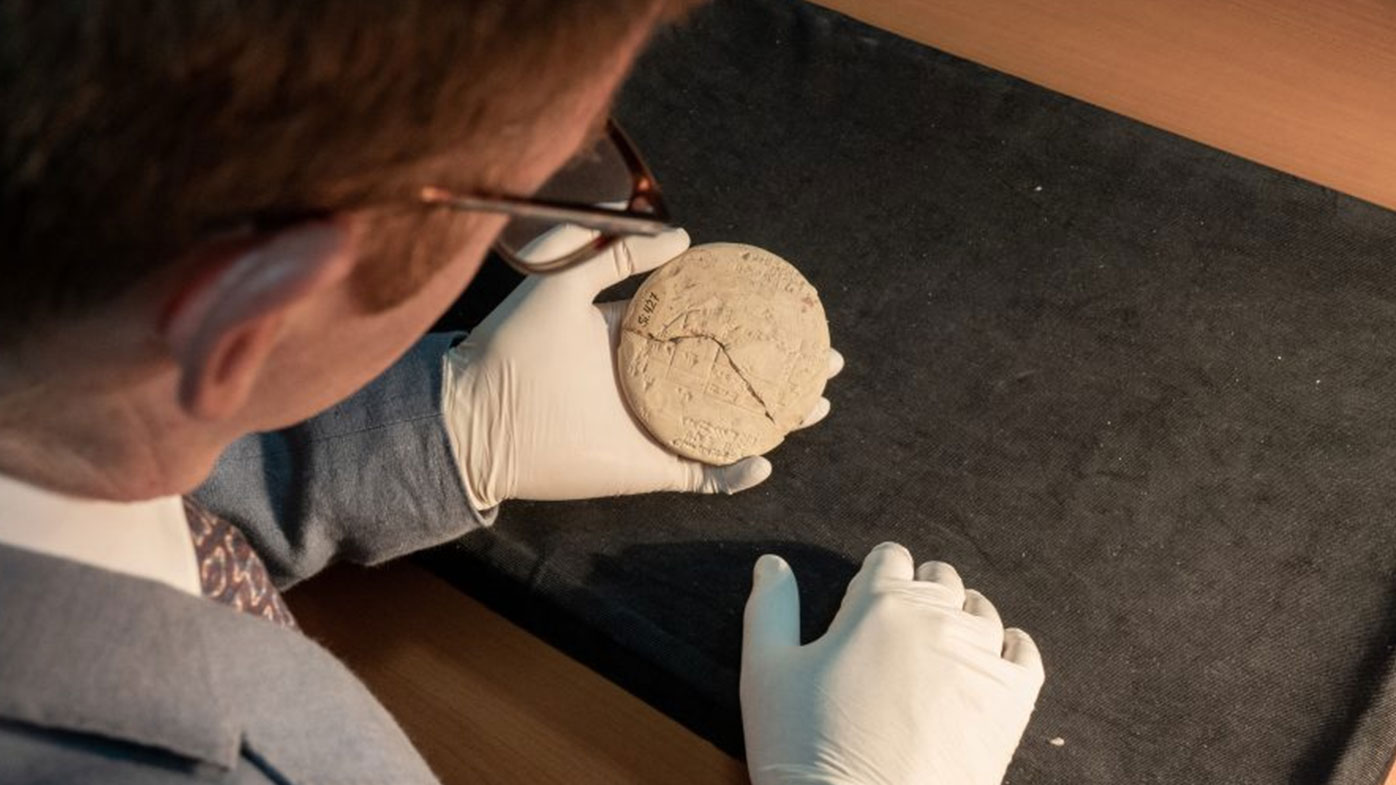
1304, 86
484, 701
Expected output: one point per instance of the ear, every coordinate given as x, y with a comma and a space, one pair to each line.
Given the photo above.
223, 323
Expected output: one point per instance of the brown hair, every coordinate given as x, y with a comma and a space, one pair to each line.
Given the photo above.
129, 127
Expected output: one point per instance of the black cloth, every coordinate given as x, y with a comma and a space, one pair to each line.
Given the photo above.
1140, 392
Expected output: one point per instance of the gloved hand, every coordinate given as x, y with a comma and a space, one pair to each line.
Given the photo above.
532, 404
915, 683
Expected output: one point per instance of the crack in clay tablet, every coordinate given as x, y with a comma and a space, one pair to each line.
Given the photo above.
723, 351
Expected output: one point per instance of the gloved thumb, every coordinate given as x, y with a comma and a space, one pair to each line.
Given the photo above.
772, 622
631, 256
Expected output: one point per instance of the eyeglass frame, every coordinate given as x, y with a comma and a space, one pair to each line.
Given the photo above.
612, 224
645, 212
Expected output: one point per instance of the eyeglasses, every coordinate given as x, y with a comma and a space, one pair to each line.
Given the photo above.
599, 198
596, 200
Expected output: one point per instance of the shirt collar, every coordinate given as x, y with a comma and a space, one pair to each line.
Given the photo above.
146, 539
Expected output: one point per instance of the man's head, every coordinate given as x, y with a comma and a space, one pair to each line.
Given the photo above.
137, 142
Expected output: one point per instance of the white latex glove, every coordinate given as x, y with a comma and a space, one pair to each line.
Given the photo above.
915, 683
532, 404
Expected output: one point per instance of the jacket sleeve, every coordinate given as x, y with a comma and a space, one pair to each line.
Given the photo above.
367, 480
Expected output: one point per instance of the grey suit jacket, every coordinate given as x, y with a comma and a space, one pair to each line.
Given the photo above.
106, 678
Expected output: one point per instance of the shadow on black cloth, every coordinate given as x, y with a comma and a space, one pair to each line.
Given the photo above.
1140, 392
690, 583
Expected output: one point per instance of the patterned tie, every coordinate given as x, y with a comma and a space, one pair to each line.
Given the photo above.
230, 570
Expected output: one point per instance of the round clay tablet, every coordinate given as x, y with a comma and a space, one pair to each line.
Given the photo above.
723, 351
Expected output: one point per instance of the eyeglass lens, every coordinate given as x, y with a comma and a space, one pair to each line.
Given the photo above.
597, 177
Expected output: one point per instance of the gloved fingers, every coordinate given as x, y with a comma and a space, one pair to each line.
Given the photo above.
1019, 648
772, 619
835, 364
888, 561
631, 256
819, 412
557, 242
821, 407
978, 605
702, 478
945, 577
